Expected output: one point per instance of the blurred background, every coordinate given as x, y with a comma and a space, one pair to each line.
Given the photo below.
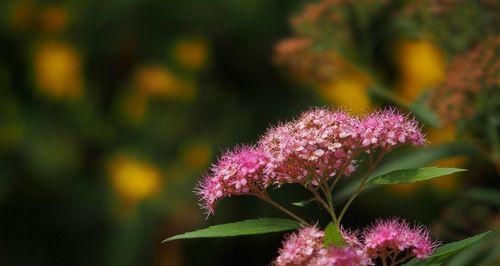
110, 111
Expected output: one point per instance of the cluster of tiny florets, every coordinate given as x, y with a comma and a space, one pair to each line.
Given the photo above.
306, 248
470, 73
391, 239
318, 145
343, 256
299, 248
237, 172
396, 236
387, 129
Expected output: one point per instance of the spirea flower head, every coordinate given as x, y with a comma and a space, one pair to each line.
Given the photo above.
396, 236
387, 129
344, 256
237, 172
299, 248
306, 247
319, 144
470, 73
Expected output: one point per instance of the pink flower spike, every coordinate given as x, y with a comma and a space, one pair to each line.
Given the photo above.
345, 256
421, 242
238, 172
389, 128
397, 237
316, 146
306, 247
300, 247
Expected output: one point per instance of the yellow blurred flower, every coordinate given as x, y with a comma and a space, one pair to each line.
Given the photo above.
53, 18
437, 136
197, 155
134, 179
191, 54
446, 184
349, 91
443, 135
57, 68
421, 65
157, 80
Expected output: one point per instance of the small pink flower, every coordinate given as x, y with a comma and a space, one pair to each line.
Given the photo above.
238, 172
306, 247
345, 256
387, 129
421, 242
395, 236
350, 237
300, 247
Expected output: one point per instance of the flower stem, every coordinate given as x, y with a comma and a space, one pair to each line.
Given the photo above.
268, 199
362, 185
328, 207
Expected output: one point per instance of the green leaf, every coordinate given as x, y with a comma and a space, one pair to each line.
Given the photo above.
483, 252
419, 109
303, 203
422, 110
445, 252
247, 227
412, 175
425, 114
333, 237
410, 158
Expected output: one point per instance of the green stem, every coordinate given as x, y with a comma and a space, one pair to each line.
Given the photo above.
362, 185
268, 199
328, 194
318, 198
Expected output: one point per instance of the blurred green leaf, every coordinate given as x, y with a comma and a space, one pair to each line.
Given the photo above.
419, 108
480, 253
444, 252
491, 196
424, 113
412, 175
422, 110
303, 203
411, 158
333, 237
247, 227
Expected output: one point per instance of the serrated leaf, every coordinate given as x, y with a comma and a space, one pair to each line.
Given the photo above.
303, 203
444, 252
333, 237
412, 175
247, 227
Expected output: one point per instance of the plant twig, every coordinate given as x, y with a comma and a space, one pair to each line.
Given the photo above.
371, 167
265, 197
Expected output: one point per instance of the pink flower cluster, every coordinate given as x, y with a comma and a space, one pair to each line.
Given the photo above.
386, 129
318, 145
306, 248
237, 172
391, 239
394, 237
